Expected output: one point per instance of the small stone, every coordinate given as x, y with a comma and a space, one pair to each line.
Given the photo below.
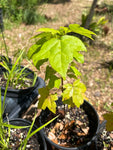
57, 126
81, 134
61, 126
51, 136
86, 130
79, 122
97, 94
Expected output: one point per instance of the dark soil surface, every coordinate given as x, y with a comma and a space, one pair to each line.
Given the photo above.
70, 129
17, 136
22, 82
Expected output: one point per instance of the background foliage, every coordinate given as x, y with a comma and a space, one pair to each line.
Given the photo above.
21, 11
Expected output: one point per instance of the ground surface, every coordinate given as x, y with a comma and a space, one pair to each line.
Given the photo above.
97, 74
98, 67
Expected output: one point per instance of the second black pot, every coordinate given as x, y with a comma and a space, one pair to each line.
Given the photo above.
40, 137
18, 100
93, 131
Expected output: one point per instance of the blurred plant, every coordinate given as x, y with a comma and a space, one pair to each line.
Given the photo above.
19, 76
95, 26
109, 117
5, 127
61, 51
21, 11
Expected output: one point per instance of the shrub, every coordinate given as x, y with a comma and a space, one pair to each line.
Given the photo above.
21, 10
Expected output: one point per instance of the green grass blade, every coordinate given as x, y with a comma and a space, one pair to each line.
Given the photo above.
26, 139
34, 132
13, 126
14, 66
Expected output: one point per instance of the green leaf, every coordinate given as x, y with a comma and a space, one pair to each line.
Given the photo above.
82, 31
109, 118
40, 62
44, 92
59, 52
53, 31
50, 103
35, 48
75, 91
76, 72
78, 57
73, 71
38, 129
69, 102
49, 72
47, 100
42, 35
57, 83
64, 30
44, 51
54, 81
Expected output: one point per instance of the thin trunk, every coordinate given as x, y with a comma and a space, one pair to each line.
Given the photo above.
91, 13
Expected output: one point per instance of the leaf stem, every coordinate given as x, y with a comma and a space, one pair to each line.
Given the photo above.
62, 89
62, 83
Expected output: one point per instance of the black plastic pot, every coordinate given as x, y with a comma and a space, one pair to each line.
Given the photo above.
18, 101
93, 131
40, 137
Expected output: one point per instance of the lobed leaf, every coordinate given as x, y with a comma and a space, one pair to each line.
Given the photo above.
47, 100
75, 91
78, 57
35, 48
80, 30
53, 31
42, 35
60, 52
76, 72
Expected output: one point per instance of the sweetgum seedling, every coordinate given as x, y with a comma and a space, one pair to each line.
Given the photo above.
61, 51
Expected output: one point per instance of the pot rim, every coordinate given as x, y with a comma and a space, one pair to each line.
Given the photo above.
34, 127
82, 146
21, 91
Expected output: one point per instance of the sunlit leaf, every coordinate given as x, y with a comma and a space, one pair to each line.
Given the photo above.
53, 31
75, 91
35, 48
78, 57
60, 52
57, 83
76, 72
42, 35
80, 30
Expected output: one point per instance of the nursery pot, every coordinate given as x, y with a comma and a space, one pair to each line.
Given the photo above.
18, 100
39, 136
92, 133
